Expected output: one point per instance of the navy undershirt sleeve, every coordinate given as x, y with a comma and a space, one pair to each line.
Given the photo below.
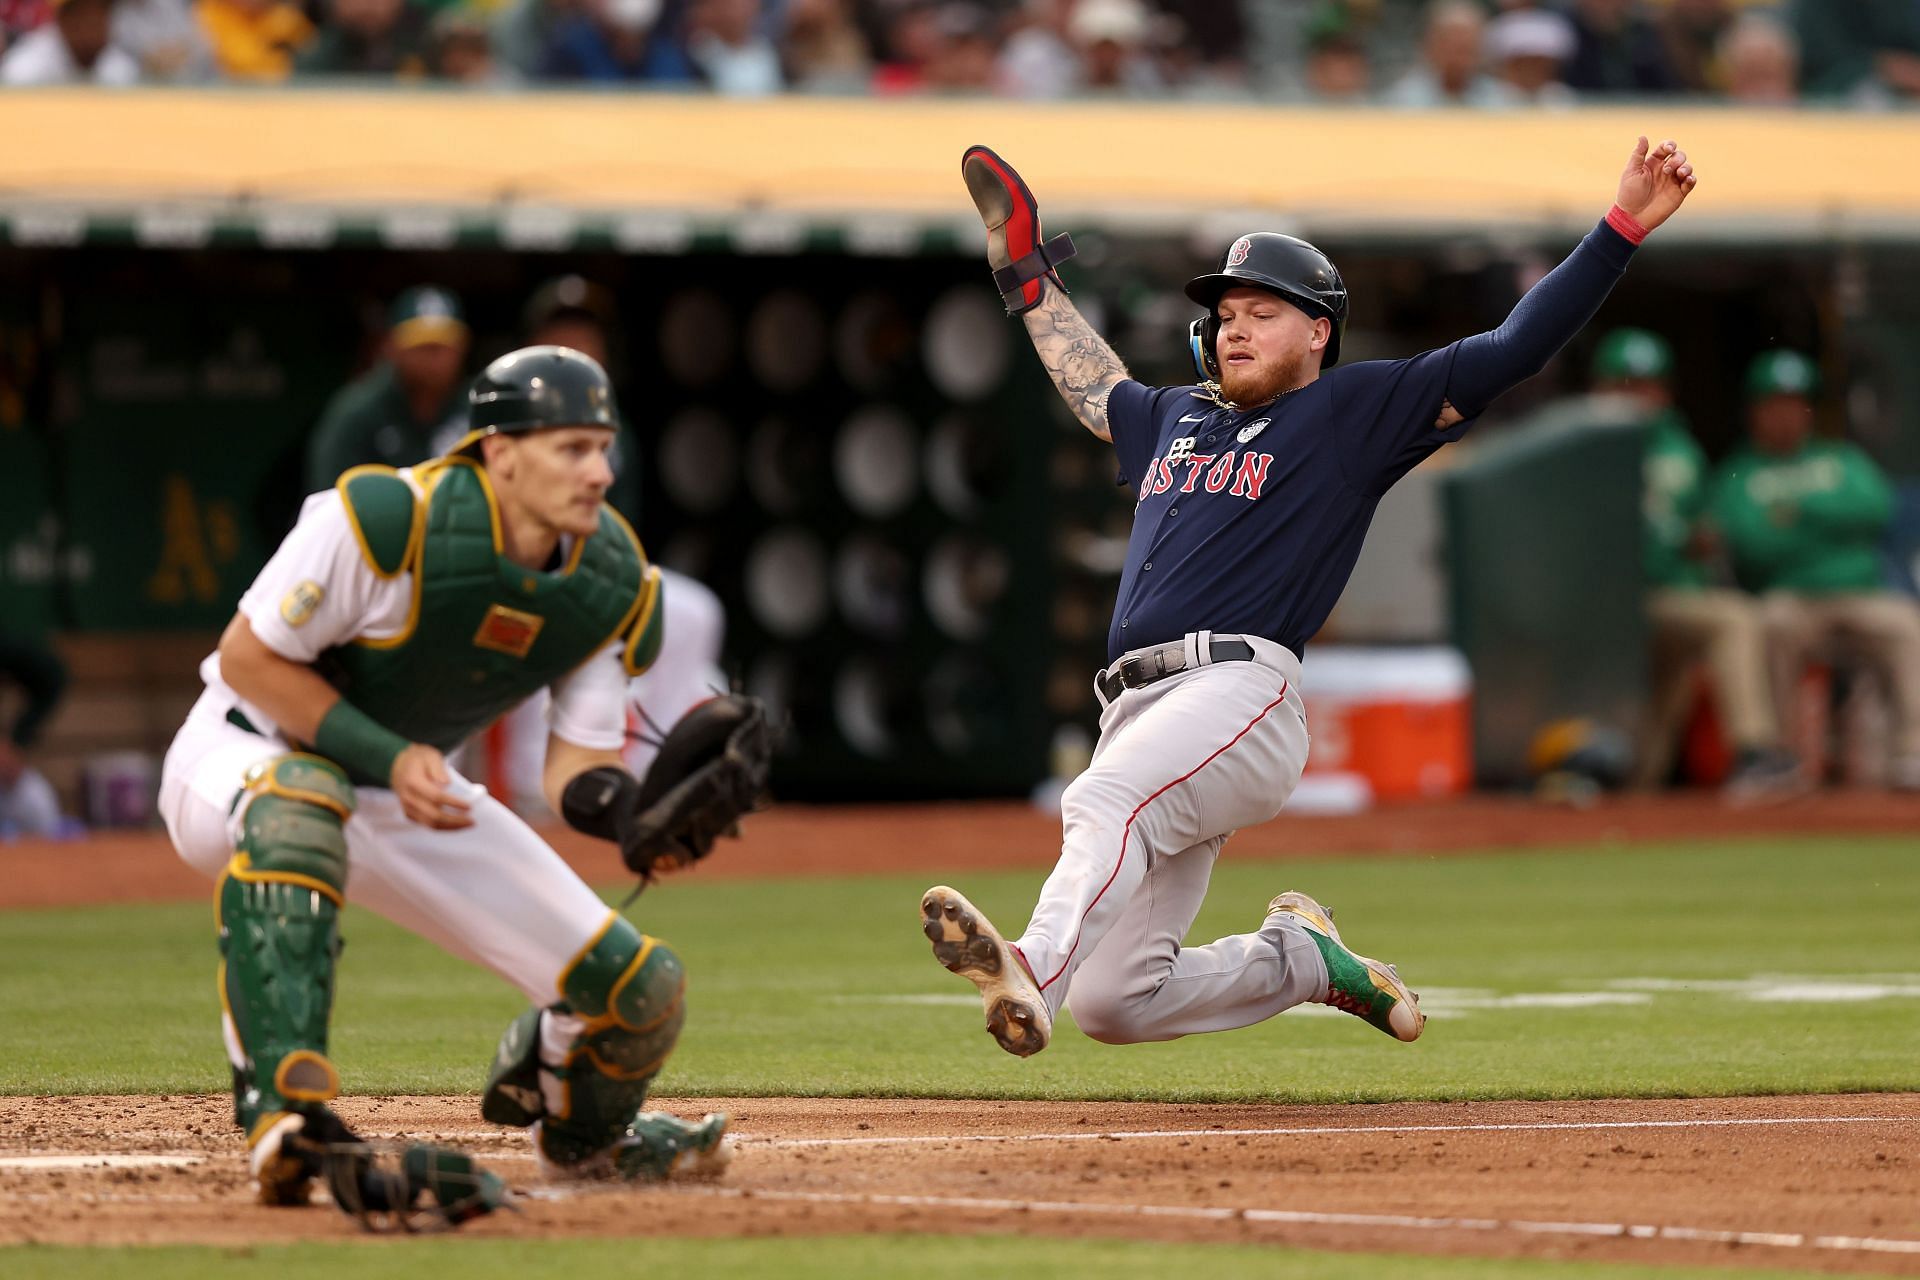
1133, 421
1553, 311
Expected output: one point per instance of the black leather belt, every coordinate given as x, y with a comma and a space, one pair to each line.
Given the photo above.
1142, 667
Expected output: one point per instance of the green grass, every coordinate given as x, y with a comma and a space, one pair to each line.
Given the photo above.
807, 986
818, 1258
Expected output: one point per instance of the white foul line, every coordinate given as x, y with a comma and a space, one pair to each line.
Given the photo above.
1297, 1217
1123, 1135
52, 1164
105, 1197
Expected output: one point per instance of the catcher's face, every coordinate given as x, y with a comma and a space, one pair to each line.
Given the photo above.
1266, 345
556, 477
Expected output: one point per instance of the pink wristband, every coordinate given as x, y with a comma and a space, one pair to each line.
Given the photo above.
1623, 222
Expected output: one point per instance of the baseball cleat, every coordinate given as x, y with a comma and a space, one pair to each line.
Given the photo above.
657, 1147
966, 942
287, 1151
1766, 777
1364, 988
281, 1173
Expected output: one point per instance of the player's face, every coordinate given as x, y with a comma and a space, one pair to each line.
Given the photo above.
431, 368
1781, 423
558, 476
1266, 345
581, 334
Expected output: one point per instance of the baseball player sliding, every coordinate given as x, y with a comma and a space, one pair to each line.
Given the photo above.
406, 610
1256, 486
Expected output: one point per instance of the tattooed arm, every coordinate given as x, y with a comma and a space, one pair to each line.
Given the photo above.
1078, 360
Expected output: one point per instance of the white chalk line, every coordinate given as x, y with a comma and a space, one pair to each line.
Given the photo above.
64, 1162
1296, 1217
1300, 1217
1207, 1213
105, 1197
1309, 1130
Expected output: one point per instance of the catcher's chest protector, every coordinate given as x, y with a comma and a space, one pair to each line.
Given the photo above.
484, 632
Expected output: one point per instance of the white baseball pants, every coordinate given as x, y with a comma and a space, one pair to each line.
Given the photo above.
1180, 765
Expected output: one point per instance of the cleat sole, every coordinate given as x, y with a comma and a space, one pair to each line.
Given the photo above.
966, 944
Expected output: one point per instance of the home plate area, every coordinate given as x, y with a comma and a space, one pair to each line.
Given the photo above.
1829, 1183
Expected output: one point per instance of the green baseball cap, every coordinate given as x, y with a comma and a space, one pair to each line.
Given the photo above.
1632, 353
426, 314
1782, 373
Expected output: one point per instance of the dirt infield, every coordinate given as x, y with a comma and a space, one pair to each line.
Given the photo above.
951, 838
1828, 1183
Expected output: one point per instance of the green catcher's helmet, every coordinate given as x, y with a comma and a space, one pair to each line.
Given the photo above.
1632, 353
1782, 373
535, 388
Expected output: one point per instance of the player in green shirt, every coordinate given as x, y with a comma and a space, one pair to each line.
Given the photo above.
1803, 519
407, 408
1694, 621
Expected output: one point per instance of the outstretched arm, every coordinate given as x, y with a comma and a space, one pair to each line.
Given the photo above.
1078, 360
1083, 367
1653, 186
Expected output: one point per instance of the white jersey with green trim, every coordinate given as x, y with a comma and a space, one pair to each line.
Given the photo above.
318, 591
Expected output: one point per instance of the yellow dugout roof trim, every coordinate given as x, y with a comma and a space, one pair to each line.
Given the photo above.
1145, 163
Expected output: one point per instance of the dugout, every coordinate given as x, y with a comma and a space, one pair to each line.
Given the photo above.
846, 440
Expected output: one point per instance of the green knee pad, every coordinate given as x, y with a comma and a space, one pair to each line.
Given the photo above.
629, 991
279, 910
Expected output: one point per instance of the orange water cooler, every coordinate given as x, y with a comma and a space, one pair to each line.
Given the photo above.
1387, 724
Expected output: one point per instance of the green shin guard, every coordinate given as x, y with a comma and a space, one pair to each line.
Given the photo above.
279, 910
512, 1096
627, 991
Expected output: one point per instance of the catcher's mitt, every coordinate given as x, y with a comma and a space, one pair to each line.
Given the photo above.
711, 771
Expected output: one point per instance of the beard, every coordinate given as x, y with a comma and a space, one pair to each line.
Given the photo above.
1249, 385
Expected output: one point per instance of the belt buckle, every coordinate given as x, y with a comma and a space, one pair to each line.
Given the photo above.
1142, 669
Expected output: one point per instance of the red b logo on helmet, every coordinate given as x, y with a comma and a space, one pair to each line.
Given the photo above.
1238, 254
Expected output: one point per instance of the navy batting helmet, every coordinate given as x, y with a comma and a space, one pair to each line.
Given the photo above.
1282, 265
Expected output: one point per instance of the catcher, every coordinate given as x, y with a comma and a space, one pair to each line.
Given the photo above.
405, 610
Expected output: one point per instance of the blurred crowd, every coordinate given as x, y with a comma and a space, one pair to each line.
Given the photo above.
1403, 53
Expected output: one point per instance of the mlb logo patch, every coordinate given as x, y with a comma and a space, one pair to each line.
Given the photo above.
298, 604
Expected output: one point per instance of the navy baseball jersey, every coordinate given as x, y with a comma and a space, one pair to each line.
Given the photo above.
1250, 521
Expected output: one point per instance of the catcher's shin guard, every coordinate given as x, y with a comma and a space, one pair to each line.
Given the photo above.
1021, 257
581, 1069
278, 905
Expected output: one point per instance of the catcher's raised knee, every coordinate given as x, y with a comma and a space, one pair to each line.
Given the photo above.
581, 1067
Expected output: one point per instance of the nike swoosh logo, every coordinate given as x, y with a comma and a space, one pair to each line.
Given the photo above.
1194, 418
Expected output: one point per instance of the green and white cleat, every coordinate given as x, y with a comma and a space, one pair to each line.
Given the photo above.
1364, 988
657, 1147
966, 942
